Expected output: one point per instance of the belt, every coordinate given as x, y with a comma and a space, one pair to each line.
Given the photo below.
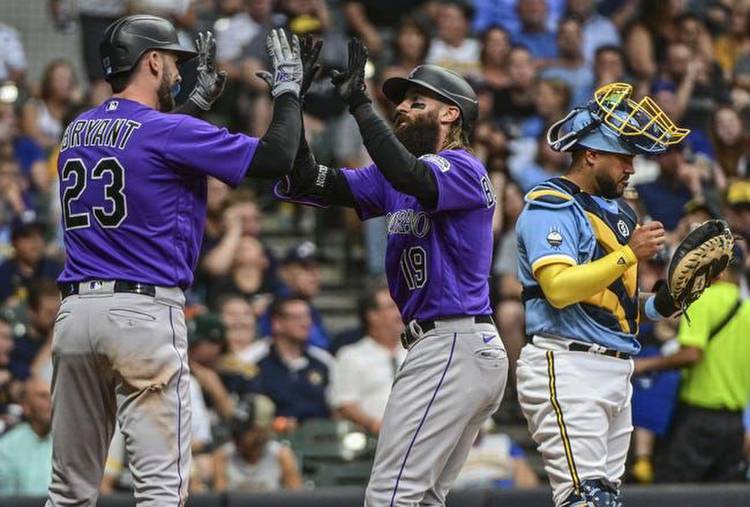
72, 288
409, 337
595, 349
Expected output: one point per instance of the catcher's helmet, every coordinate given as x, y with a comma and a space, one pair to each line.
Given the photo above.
613, 122
128, 38
448, 85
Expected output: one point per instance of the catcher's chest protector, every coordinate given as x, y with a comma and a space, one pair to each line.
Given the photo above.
616, 307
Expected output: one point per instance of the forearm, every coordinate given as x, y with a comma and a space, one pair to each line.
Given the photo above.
352, 412
312, 183
402, 169
686, 356
277, 148
566, 285
219, 260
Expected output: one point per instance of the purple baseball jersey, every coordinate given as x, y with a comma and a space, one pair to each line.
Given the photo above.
133, 191
437, 260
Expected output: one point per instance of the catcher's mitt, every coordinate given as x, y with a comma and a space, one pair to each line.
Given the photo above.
699, 258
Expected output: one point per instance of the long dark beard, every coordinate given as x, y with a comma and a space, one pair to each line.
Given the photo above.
164, 94
421, 135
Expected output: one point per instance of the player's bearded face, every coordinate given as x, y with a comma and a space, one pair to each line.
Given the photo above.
419, 134
164, 93
609, 187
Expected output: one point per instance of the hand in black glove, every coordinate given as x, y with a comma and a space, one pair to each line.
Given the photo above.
210, 83
350, 85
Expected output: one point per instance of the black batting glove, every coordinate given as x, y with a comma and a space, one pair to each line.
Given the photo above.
210, 83
350, 84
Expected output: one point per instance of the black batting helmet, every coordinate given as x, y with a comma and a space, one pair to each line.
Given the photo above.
128, 38
447, 84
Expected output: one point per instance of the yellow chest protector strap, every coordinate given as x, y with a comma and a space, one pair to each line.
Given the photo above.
564, 284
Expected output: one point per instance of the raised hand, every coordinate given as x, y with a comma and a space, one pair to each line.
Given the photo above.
286, 63
210, 83
309, 53
350, 84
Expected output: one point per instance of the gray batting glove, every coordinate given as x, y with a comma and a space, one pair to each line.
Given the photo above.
286, 63
210, 83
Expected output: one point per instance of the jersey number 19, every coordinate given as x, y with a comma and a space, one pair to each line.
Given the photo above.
75, 178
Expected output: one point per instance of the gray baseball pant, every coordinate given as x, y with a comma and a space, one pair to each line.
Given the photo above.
120, 355
452, 380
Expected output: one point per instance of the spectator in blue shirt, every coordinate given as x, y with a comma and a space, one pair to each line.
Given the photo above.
292, 373
534, 33
570, 66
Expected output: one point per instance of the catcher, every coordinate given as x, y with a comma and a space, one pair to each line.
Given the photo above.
579, 245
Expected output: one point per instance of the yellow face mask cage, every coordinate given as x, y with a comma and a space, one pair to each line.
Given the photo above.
644, 118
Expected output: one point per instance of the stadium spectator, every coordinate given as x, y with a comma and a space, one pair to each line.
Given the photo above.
598, 30
41, 119
249, 274
294, 374
551, 100
534, 32
13, 57
494, 57
6, 376
678, 182
715, 388
453, 47
570, 66
731, 143
609, 67
94, 16
300, 273
411, 44
28, 264
240, 22
509, 311
32, 350
239, 320
253, 461
699, 83
13, 205
515, 103
496, 461
361, 398
26, 450
374, 20
206, 343
691, 31
731, 46
505, 13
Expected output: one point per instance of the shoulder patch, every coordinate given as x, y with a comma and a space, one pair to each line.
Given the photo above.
441, 162
549, 198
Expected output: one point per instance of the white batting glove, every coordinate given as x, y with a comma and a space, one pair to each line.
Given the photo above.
286, 63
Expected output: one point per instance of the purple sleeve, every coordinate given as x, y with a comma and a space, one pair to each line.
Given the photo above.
368, 188
198, 146
462, 181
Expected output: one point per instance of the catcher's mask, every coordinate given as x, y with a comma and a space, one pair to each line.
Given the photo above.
613, 122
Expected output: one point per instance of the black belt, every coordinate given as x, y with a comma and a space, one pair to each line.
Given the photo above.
72, 288
408, 338
582, 347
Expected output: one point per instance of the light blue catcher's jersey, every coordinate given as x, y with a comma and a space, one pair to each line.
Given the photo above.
554, 229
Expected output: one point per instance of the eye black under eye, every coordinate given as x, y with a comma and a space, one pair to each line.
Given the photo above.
418, 105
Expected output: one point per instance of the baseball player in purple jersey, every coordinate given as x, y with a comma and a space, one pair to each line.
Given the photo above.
439, 204
133, 192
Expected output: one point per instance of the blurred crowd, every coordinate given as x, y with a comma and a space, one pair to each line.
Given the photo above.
263, 361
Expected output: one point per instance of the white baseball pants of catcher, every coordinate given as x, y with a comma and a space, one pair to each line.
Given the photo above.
577, 405
451, 381
124, 356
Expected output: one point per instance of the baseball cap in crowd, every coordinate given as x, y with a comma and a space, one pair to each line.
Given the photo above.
305, 253
699, 204
206, 327
25, 225
738, 194
253, 411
